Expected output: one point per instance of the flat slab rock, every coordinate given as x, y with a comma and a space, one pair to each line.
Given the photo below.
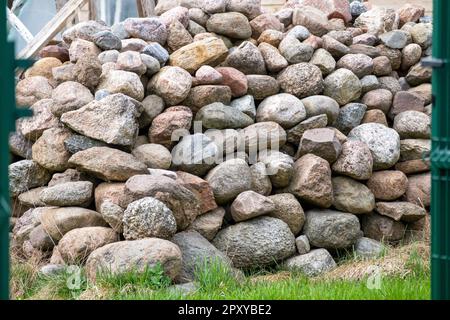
404, 211
113, 120
108, 164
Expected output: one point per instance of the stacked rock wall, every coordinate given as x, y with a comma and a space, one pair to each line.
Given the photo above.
218, 131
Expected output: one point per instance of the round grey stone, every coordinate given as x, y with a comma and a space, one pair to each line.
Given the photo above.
312, 264
106, 40
383, 142
331, 229
258, 242
147, 218
284, 109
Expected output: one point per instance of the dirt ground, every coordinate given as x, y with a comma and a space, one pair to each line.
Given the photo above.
395, 4
273, 5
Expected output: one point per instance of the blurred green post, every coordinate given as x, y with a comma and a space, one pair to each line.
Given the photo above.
9, 114
440, 155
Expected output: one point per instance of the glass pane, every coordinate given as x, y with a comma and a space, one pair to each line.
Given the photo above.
34, 14
115, 11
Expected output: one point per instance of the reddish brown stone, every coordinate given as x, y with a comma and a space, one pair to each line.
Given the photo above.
236, 80
264, 22
311, 181
314, 41
201, 96
419, 189
388, 185
380, 99
410, 13
200, 188
321, 142
313, 19
413, 166
375, 116
406, 101
60, 53
165, 124
113, 192
333, 8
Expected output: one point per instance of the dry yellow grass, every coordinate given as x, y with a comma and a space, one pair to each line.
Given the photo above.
281, 276
396, 262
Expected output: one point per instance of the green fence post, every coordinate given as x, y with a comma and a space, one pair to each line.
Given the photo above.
9, 114
5, 127
440, 155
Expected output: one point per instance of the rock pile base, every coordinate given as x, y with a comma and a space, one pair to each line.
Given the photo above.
217, 131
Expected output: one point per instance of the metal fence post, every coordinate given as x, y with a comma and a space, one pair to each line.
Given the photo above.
9, 114
5, 128
440, 155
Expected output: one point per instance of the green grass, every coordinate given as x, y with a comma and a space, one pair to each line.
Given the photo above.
216, 282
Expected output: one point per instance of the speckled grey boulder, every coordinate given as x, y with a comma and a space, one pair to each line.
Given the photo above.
331, 229
26, 174
302, 80
258, 242
368, 248
343, 86
247, 59
284, 109
294, 51
69, 194
197, 253
220, 116
106, 40
148, 217
147, 29
383, 142
195, 154
355, 161
229, 179
312, 264
413, 125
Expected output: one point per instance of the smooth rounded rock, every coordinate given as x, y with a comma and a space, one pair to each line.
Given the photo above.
135, 256
331, 229
70, 194
343, 86
383, 142
154, 156
311, 264
352, 196
229, 179
284, 109
258, 242
388, 185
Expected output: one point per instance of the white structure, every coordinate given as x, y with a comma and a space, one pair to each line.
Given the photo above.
35, 14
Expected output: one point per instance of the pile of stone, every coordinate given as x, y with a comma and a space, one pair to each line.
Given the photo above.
216, 131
